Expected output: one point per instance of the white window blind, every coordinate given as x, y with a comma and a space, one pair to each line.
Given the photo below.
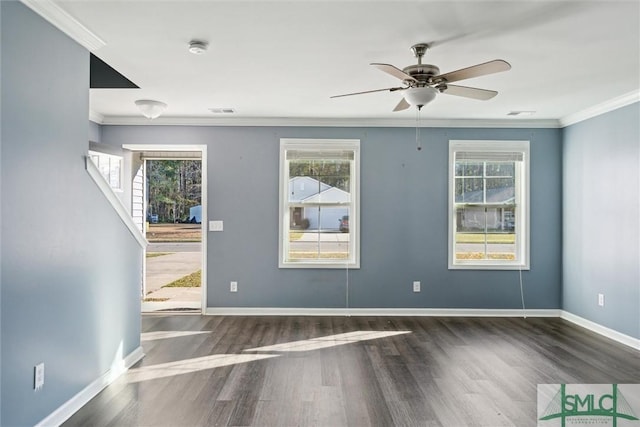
490, 156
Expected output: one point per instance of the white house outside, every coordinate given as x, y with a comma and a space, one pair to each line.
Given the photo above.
306, 190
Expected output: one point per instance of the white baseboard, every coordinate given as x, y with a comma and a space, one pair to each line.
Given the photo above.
72, 405
602, 330
444, 312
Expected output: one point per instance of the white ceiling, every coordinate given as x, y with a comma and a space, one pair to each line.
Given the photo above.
275, 60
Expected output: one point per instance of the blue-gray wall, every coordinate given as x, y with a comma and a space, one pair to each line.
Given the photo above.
403, 220
95, 132
69, 268
601, 216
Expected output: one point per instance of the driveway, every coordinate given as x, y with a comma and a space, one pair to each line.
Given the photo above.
175, 247
164, 269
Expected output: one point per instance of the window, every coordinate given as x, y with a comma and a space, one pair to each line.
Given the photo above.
110, 167
319, 203
489, 204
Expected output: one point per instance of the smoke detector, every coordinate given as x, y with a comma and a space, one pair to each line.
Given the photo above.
197, 47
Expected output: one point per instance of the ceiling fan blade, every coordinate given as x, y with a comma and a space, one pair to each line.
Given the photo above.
394, 71
470, 92
390, 89
402, 105
505, 22
495, 66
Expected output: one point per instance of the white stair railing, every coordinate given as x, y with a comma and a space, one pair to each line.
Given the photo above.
115, 202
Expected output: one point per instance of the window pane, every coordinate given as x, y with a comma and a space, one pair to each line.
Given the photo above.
508, 219
501, 247
470, 219
320, 233
469, 169
470, 233
303, 244
500, 220
500, 190
501, 238
335, 246
297, 221
485, 233
469, 190
319, 181
506, 169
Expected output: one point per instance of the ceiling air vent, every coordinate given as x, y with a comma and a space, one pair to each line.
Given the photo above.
222, 110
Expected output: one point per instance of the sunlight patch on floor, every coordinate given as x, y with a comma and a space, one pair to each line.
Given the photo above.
164, 370
328, 341
162, 335
169, 369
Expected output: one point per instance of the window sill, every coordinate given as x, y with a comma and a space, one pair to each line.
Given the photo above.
327, 265
488, 266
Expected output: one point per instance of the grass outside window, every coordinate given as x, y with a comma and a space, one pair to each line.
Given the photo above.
506, 238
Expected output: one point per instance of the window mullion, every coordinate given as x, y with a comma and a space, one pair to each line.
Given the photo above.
318, 251
486, 249
286, 213
484, 201
518, 211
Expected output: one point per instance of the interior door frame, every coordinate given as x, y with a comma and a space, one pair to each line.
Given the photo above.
202, 149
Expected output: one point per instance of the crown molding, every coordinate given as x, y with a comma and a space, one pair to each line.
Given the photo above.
605, 107
96, 117
66, 23
327, 122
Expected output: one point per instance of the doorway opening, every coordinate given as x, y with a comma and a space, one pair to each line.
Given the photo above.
169, 202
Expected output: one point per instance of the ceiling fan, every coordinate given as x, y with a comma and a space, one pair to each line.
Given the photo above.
421, 82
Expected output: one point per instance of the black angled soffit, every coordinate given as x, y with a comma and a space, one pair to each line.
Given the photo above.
103, 76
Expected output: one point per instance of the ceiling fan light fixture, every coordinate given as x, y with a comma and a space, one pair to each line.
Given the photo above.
149, 108
420, 96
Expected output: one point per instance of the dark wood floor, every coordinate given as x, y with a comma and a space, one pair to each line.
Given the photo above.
443, 372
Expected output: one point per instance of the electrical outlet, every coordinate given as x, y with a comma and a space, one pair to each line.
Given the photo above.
233, 287
601, 300
416, 286
38, 380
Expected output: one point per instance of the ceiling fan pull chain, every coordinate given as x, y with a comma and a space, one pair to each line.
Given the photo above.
418, 142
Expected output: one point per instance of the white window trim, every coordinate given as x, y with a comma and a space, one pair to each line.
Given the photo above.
283, 214
522, 213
